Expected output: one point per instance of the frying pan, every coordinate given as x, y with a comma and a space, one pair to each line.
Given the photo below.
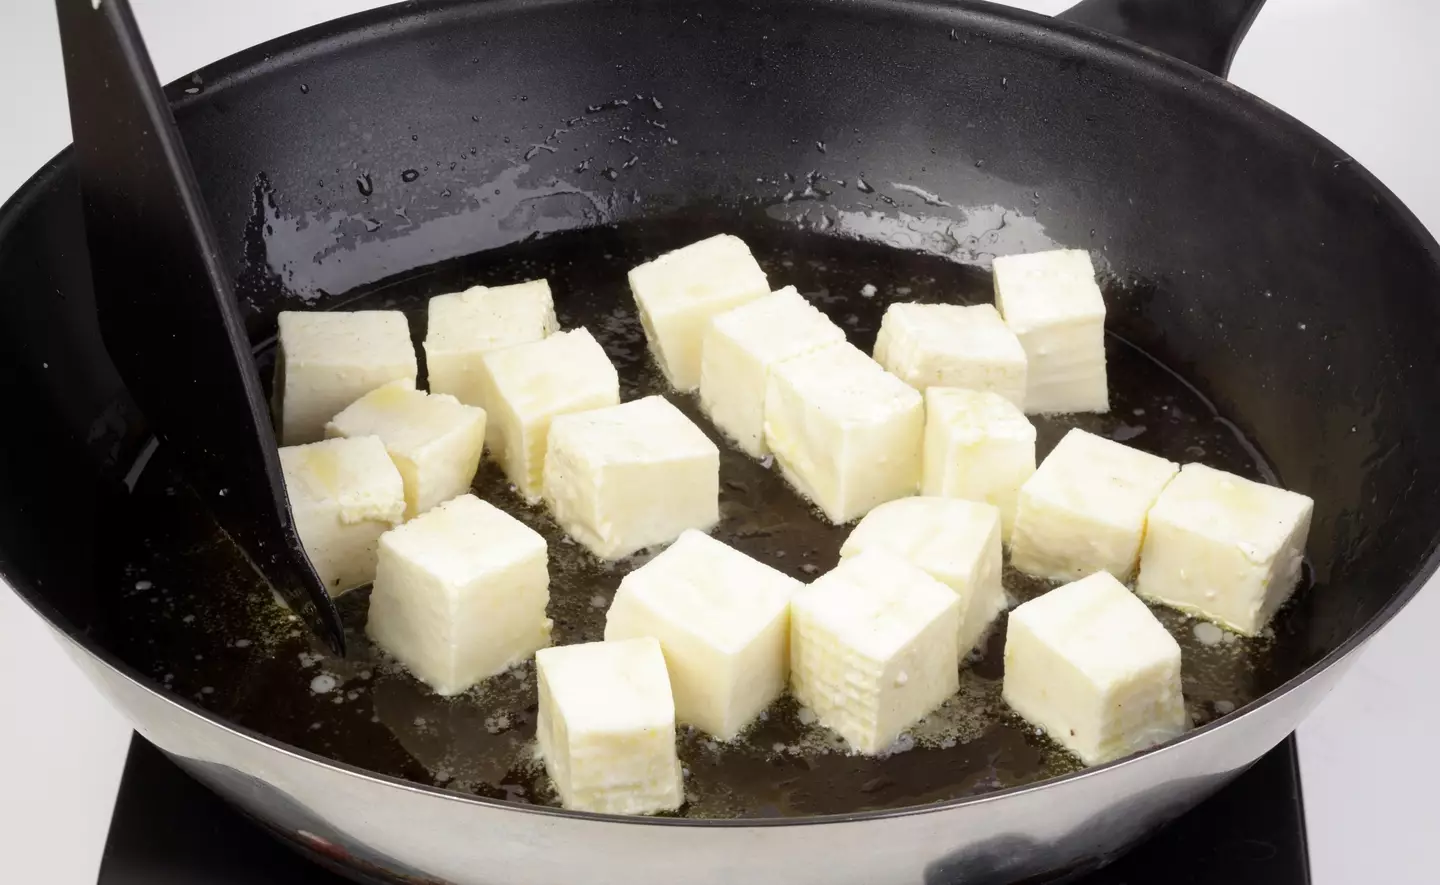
1271, 309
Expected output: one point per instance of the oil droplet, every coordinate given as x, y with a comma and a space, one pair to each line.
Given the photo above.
409, 175
365, 185
607, 106
1127, 432
1208, 634
323, 684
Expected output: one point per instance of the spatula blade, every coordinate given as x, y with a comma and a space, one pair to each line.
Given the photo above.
166, 307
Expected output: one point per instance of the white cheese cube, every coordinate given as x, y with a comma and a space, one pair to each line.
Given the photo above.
528, 385
680, 291
737, 351
344, 494
327, 360
955, 542
463, 326
950, 345
847, 433
630, 476
1224, 548
606, 727
1090, 664
873, 648
723, 621
1084, 510
433, 439
978, 446
460, 594
1051, 302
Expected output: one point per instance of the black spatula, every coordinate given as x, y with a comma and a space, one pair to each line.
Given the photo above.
167, 309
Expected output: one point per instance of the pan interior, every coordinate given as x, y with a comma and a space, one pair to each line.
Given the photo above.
187, 611
885, 142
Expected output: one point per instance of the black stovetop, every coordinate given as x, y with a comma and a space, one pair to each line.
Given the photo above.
169, 830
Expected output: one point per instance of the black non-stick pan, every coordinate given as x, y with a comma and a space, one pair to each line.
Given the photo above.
1271, 310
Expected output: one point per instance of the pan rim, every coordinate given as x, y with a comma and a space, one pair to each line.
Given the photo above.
1135, 61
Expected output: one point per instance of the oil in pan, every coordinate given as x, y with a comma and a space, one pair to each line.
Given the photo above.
190, 613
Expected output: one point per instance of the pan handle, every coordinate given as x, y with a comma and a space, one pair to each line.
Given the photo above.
1204, 33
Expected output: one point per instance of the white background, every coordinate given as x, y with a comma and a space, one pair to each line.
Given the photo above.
1365, 73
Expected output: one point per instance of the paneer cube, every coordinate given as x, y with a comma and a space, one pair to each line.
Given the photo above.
463, 326
950, 345
606, 727
328, 359
955, 542
344, 494
1051, 302
1090, 664
1084, 510
847, 433
1224, 548
978, 446
723, 621
873, 648
460, 594
433, 439
631, 476
528, 385
680, 291
739, 348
